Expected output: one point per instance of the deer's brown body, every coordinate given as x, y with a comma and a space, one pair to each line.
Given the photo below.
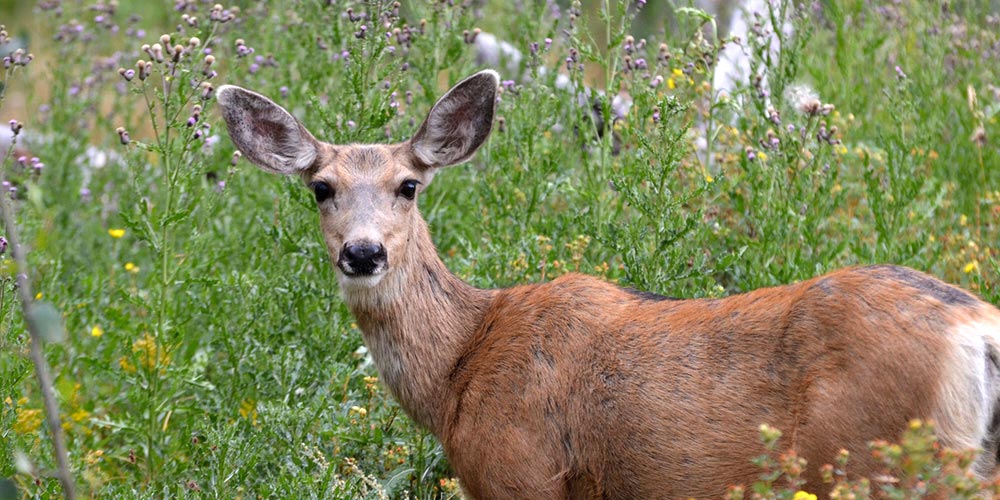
578, 388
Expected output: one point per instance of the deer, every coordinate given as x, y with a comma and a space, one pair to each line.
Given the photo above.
580, 388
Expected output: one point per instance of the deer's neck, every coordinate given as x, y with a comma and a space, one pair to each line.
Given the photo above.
416, 323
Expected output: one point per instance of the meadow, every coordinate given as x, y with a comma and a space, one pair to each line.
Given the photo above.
196, 339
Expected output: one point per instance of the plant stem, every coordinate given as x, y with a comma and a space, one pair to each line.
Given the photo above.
42, 371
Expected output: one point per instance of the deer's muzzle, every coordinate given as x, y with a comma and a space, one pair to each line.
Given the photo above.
362, 258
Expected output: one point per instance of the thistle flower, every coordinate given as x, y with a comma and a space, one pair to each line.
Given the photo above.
123, 136
144, 68
806, 100
221, 15
207, 91
470, 37
242, 50
979, 136
206, 68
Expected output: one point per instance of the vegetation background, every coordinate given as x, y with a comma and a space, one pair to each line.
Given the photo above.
206, 352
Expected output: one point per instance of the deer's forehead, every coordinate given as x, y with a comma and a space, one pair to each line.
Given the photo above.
363, 164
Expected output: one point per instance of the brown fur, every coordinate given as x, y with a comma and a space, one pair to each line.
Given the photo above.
578, 388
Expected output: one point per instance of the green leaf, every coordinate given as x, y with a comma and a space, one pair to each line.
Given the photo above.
45, 317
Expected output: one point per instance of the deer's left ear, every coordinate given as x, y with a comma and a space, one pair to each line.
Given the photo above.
266, 133
459, 123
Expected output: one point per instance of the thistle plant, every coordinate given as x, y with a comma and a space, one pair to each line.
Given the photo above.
41, 318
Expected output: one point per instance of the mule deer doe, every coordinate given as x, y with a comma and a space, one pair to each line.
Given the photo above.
578, 388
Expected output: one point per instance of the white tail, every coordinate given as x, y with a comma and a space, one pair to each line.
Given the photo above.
578, 388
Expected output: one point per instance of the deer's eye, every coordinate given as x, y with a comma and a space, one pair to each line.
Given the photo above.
408, 189
322, 190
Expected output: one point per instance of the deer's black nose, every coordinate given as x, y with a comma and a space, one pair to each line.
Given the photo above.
361, 258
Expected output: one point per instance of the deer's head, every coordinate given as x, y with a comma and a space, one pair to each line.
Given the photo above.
366, 194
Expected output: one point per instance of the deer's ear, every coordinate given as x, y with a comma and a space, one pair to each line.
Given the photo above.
459, 123
267, 134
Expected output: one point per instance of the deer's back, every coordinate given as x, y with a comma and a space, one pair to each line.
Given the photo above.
631, 395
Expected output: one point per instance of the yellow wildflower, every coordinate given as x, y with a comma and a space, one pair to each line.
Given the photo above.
248, 410
963, 220
39, 295
802, 495
971, 266
116, 233
96, 331
671, 84
359, 411
150, 353
678, 72
126, 365
93, 456
28, 420
80, 415
132, 268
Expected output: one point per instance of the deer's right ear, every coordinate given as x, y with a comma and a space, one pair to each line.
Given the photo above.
267, 134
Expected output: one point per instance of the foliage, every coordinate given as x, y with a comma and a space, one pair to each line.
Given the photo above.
208, 354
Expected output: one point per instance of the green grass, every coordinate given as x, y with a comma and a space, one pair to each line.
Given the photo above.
209, 355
